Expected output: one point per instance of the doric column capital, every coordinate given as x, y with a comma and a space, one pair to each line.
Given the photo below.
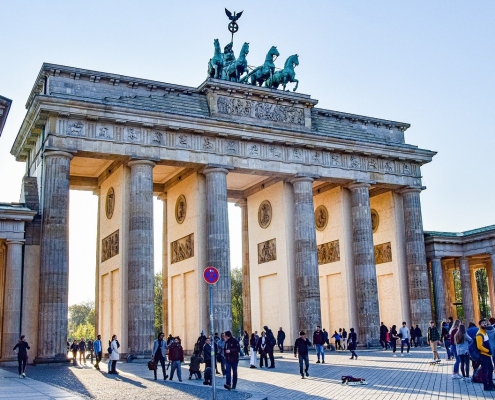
303, 178
133, 163
358, 185
10, 242
241, 203
219, 169
57, 153
412, 189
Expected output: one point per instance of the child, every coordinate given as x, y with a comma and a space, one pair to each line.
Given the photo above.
194, 366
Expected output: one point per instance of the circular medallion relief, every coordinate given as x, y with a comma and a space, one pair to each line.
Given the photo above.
265, 214
375, 220
110, 203
321, 217
180, 209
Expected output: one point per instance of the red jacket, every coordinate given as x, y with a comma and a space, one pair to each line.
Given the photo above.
175, 352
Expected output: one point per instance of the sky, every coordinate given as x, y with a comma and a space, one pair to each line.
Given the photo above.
430, 64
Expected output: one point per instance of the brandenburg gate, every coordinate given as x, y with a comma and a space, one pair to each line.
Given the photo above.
331, 214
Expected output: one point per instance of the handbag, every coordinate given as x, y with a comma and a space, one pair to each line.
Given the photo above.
152, 365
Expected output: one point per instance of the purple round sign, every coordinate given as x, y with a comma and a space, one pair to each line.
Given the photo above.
211, 275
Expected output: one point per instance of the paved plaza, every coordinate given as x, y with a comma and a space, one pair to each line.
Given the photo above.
408, 377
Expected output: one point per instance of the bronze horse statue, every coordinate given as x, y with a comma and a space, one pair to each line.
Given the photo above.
286, 75
234, 70
215, 64
265, 71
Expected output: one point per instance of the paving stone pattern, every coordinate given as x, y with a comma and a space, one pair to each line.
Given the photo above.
408, 377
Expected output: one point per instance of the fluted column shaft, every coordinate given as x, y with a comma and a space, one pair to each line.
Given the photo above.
417, 270
306, 258
12, 299
491, 280
54, 263
368, 311
165, 329
218, 245
438, 290
246, 284
467, 290
140, 271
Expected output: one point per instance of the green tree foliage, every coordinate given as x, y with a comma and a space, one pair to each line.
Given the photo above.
82, 320
158, 291
482, 286
237, 318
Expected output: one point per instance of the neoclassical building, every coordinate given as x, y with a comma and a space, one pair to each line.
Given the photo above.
331, 214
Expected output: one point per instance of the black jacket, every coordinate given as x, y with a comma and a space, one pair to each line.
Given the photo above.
383, 332
318, 337
233, 345
270, 339
23, 348
207, 352
301, 346
280, 336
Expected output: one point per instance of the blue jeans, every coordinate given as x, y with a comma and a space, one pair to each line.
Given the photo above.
447, 347
402, 343
303, 358
320, 350
453, 349
231, 369
176, 366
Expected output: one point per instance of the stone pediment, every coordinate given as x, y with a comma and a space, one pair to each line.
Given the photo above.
252, 104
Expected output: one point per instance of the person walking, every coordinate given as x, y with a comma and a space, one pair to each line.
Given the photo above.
453, 349
90, 348
418, 336
232, 350
393, 339
280, 339
462, 341
176, 356
412, 335
159, 354
82, 351
245, 342
319, 342
22, 347
433, 338
352, 343
343, 335
383, 336
485, 356
404, 338
98, 348
74, 347
270, 344
301, 350
253, 342
337, 339
114, 355
262, 349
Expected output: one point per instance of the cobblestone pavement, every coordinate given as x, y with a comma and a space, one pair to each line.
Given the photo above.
408, 377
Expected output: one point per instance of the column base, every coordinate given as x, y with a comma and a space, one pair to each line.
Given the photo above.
58, 359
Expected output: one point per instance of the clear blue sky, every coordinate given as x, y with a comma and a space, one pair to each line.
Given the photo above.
430, 64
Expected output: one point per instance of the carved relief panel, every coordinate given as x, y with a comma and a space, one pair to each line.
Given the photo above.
265, 214
383, 253
375, 220
267, 251
110, 203
182, 249
321, 217
180, 209
328, 252
110, 246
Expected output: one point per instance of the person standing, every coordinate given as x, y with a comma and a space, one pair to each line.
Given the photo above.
280, 339
176, 356
412, 335
262, 350
114, 355
270, 344
404, 338
301, 349
453, 348
318, 342
207, 353
22, 347
462, 340
253, 343
343, 335
98, 348
418, 336
352, 343
393, 339
445, 337
383, 336
245, 342
485, 357
90, 348
159, 354
232, 350
82, 351
221, 354
74, 347
433, 338
327, 340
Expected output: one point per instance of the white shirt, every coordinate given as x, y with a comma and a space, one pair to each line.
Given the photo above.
405, 332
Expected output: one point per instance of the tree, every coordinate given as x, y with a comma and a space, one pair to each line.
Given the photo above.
158, 291
237, 317
82, 320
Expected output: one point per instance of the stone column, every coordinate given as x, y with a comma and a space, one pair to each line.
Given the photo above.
246, 283
467, 294
368, 311
490, 272
306, 258
54, 264
140, 272
218, 245
417, 270
97, 192
438, 290
12, 299
163, 197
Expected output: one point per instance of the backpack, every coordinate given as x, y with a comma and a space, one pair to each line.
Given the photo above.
473, 351
109, 349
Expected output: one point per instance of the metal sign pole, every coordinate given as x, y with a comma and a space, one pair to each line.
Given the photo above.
213, 363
